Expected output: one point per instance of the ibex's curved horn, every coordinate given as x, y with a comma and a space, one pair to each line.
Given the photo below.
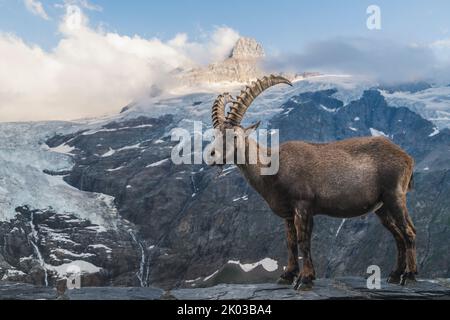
218, 109
243, 102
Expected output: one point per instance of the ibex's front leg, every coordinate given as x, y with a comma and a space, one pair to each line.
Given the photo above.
292, 269
304, 225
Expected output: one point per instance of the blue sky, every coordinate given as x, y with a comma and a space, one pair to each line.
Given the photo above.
282, 25
67, 59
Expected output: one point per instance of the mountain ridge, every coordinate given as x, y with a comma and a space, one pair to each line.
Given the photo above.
180, 232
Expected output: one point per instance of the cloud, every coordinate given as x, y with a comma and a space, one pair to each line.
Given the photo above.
380, 59
218, 46
83, 4
92, 72
442, 49
36, 8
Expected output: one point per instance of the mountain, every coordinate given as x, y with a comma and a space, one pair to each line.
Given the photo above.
246, 49
103, 195
242, 65
430, 101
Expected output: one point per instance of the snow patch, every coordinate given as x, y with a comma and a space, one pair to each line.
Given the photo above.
227, 171
209, 277
156, 164
109, 153
192, 281
12, 273
134, 146
243, 198
63, 149
268, 264
98, 229
79, 265
57, 236
378, 133
115, 169
288, 111
100, 246
328, 109
92, 132
73, 254
434, 133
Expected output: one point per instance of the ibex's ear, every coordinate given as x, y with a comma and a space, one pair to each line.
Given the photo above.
248, 131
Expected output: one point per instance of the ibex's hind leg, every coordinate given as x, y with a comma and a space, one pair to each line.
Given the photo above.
398, 211
292, 269
304, 225
389, 223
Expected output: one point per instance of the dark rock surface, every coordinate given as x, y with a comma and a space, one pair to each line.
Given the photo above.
116, 293
23, 291
62, 241
325, 289
407, 87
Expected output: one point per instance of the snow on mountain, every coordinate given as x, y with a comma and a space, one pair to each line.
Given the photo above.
195, 104
23, 159
267, 263
377, 133
432, 104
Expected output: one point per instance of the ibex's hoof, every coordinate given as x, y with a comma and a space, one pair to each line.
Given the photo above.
303, 284
284, 282
408, 278
394, 278
305, 287
287, 278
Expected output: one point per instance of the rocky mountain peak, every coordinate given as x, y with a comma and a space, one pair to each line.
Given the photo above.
242, 65
247, 48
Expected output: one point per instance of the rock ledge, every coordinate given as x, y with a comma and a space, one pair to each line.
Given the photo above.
349, 288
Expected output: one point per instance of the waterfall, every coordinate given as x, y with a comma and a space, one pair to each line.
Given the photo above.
34, 240
194, 187
142, 275
340, 227
332, 247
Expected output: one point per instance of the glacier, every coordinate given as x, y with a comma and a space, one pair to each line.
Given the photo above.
23, 158
432, 104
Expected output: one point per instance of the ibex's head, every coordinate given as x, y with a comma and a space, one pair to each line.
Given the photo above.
230, 137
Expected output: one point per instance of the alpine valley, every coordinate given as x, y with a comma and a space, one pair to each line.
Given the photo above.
103, 194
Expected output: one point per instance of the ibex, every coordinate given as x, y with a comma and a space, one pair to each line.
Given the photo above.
344, 179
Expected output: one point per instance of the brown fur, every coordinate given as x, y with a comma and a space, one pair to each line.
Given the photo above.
343, 179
